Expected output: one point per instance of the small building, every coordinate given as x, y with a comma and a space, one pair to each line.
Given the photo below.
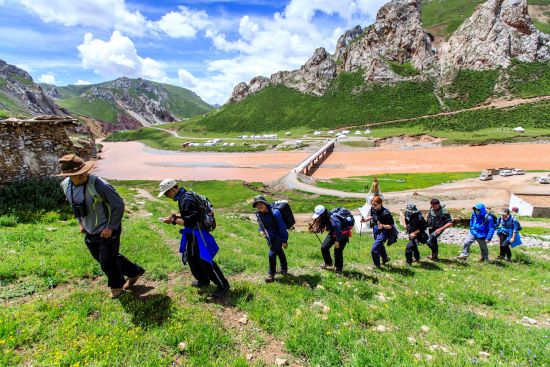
531, 205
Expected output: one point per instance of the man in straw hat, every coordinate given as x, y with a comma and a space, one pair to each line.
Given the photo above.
99, 209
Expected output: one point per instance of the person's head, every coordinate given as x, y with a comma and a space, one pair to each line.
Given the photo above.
75, 168
505, 213
320, 219
515, 210
411, 208
261, 204
168, 187
479, 209
435, 204
319, 211
376, 202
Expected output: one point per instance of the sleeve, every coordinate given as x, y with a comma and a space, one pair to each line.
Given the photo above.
116, 204
188, 209
422, 224
281, 225
516, 225
492, 228
336, 227
390, 218
472, 221
447, 217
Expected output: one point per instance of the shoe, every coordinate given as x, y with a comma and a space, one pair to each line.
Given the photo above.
270, 278
283, 272
509, 259
461, 257
409, 264
326, 267
375, 267
338, 271
416, 261
198, 284
433, 257
386, 260
130, 282
500, 257
482, 260
221, 291
116, 292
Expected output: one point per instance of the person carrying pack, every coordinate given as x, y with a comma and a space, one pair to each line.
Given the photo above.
274, 229
416, 229
99, 210
438, 220
383, 229
508, 229
482, 229
339, 223
198, 247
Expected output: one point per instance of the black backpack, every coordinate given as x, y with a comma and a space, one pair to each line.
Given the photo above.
495, 219
286, 212
207, 219
344, 215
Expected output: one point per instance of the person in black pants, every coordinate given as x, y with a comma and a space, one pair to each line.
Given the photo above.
382, 224
99, 210
273, 228
416, 229
198, 246
438, 219
338, 236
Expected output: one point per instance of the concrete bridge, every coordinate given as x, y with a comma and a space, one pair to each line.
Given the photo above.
309, 166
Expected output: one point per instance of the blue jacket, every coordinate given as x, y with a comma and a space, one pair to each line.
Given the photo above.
273, 223
509, 227
208, 248
482, 225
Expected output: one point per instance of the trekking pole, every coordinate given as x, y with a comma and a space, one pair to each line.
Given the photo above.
262, 227
321, 242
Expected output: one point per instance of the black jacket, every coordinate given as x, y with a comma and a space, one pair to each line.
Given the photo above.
382, 215
189, 210
416, 222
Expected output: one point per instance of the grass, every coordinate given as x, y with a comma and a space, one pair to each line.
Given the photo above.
395, 182
359, 144
99, 109
530, 79
443, 17
470, 88
4, 114
56, 314
405, 70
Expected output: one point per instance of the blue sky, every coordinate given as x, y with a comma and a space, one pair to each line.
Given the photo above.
205, 45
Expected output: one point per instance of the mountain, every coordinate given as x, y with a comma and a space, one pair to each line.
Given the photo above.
397, 68
129, 103
20, 95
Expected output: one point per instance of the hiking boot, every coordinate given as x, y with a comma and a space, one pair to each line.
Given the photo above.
462, 257
409, 264
270, 278
500, 257
375, 267
130, 282
338, 271
416, 261
482, 260
284, 272
326, 267
116, 292
433, 256
198, 284
386, 260
221, 291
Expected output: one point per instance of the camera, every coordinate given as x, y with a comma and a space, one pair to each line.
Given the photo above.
79, 210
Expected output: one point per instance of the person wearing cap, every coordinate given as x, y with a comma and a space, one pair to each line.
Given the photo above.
508, 232
338, 236
273, 228
198, 247
416, 229
482, 229
438, 220
383, 228
99, 210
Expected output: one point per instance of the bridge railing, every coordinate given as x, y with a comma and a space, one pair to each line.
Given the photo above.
315, 159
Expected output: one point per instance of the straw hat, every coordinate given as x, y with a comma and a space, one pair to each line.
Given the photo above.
73, 165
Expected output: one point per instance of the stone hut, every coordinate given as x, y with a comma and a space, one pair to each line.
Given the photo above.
32, 147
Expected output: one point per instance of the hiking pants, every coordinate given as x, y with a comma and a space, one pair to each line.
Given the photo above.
504, 247
203, 271
338, 252
432, 243
276, 250
378, 249
482, 246
411, 251
113, 263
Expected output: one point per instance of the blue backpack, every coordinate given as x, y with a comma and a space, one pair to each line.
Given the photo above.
344, 215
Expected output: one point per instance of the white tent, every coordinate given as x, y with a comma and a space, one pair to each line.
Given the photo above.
519, 129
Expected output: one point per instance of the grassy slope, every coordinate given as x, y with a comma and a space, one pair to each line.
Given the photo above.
396, 182
77, 323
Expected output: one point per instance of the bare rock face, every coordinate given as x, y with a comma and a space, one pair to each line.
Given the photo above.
497, 32
346, 39
240, 92
258, 83
397, 35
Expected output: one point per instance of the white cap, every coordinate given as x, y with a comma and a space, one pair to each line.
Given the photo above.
166, 185
319, 209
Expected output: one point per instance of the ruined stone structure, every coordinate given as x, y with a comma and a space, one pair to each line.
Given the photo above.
31, 148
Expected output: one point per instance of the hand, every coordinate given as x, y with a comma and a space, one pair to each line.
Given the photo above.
285, 245
167, 220
363, 219
106, 233
337, 245
412, 235
513, 239
380, 225
82, 230
438, 232
262, 233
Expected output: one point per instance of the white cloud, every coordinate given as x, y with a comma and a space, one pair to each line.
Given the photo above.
118, 57
187, 79
184, 23
82, 82
48, 78
102, 14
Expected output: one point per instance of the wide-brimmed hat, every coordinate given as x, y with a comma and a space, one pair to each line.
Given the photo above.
319, 209
259, 199
504, 211
166, 185
411, 208
73, 165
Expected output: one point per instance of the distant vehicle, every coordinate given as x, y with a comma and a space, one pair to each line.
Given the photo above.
544, 180
518, 171
506, 172
358, 132
486, 177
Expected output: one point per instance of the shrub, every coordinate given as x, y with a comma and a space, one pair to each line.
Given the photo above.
8, 220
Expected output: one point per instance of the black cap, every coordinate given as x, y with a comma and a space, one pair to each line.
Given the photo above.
259, 199
434, 201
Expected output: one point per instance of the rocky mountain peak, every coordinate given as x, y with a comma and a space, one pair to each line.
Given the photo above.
346, 39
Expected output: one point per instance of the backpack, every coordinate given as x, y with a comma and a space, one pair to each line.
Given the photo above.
495, 219
207, 220
286, 212
344, 215
90, 188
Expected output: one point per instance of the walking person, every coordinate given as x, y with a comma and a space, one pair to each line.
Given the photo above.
482, 229
198, 247
99, 210
438, 220
508, 229
416, 229
274, 230
384, 231
338, 222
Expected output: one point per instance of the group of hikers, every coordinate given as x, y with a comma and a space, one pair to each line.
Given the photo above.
99, 209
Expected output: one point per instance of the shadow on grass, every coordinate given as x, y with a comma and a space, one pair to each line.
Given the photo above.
233, 297
395, 270
453, 262
357, 275
429, 265
302, 280
148, 310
